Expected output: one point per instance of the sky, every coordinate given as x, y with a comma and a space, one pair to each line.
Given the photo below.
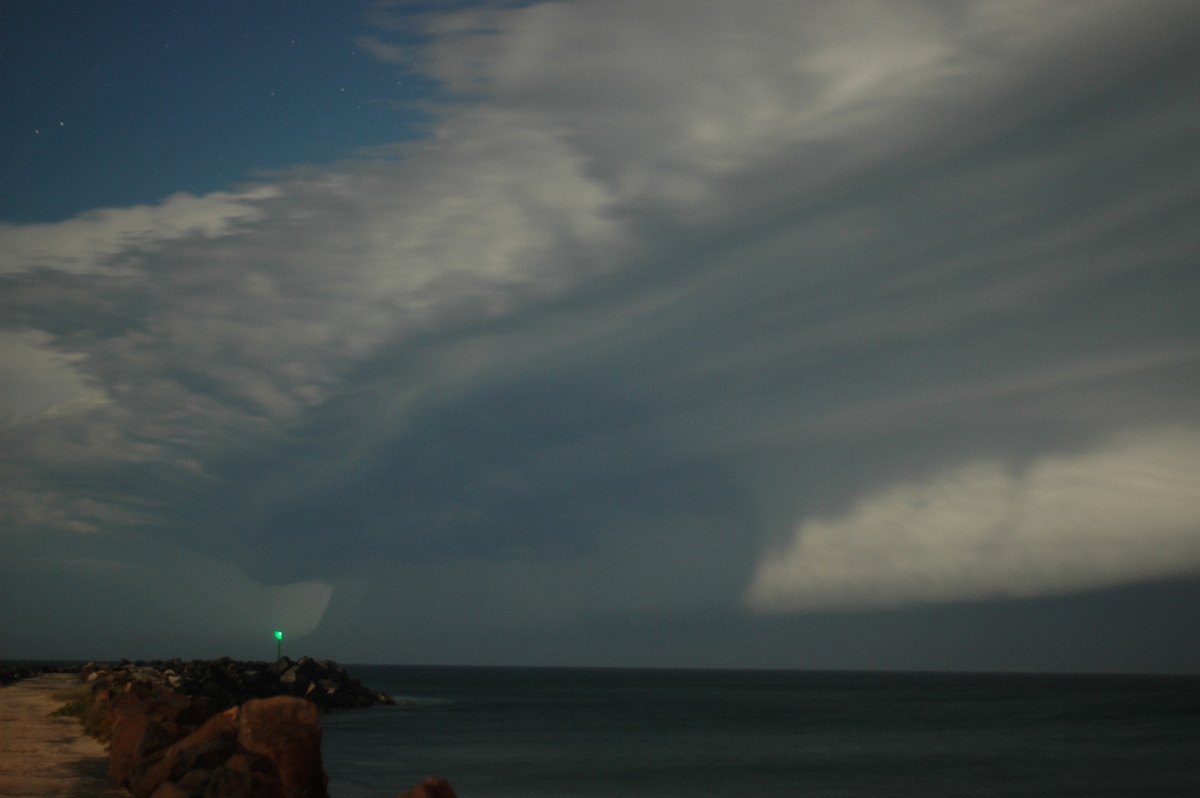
667, 333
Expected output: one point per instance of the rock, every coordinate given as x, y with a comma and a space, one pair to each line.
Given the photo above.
172, 790
135, 736
175, 764
215, 691
195, 780
431, 788
224, 724
224, 683
286, 731
146, 720
245, 775
221, 728
266, 747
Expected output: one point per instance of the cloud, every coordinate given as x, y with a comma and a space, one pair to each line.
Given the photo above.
34, 377
382, 51
666, 100
666, 278
1124, 512
118, 596
87, 243
226, 318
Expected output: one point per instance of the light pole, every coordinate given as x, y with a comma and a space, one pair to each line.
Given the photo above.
278, 644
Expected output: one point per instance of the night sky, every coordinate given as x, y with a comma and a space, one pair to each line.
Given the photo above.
857, 334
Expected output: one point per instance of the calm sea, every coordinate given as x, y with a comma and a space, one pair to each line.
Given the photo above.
583, 733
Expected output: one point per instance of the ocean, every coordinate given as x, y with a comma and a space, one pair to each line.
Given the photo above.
604, 733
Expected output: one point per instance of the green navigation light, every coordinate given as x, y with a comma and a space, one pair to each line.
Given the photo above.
278, 644
278, 635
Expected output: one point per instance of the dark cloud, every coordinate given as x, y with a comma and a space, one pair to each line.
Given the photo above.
800, 310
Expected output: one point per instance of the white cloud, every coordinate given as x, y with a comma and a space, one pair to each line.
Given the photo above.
238, 330
296, 609
1127, 511
86, 243
34, 376
667, 97
268, 297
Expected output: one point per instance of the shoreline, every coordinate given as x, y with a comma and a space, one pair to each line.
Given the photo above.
223, 727
46, 756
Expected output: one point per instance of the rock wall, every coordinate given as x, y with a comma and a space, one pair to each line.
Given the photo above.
227, 682
265, 747
220, 728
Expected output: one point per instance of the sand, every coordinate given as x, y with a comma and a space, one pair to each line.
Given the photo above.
43, 756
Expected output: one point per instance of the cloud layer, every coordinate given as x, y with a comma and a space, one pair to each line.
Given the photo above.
1126, 512
681, 306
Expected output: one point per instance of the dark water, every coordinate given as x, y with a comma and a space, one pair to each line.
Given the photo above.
508, 732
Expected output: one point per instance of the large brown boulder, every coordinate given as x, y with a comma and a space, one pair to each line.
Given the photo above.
286, 731
143, 724
191, 760
431, 788
246, 775
135, 736
268, 748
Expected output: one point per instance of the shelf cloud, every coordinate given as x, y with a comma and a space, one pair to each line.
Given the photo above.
681, 310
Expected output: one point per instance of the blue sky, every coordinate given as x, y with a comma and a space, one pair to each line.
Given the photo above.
101, 99
855, 335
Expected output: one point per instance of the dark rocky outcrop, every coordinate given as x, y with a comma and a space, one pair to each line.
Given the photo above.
220, 728
266, 747
286, 732
226, 682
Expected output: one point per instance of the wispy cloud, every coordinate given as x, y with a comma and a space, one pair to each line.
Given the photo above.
94, 240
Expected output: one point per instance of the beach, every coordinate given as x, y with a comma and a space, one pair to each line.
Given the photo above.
43, 756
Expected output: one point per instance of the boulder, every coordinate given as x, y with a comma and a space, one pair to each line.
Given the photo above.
212, 728
435, 787
175, 765
266, 747
172, 790
143, 725
223, 724
245, 775
135, 736
224, 682
286, 731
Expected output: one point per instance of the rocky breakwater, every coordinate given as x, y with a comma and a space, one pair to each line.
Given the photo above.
219, 728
